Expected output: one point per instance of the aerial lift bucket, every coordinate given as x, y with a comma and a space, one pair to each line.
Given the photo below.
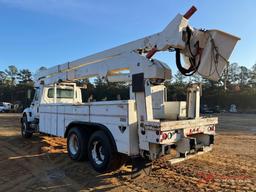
216, 53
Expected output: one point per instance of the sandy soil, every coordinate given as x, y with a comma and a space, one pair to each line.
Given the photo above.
41, 164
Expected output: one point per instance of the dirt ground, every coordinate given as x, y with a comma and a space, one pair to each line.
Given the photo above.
41, 164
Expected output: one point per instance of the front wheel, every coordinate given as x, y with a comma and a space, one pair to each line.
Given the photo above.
25, 128
101, 153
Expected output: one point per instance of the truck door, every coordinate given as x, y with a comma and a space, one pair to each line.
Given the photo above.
35, 104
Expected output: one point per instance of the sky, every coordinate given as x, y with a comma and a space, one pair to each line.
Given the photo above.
35, 33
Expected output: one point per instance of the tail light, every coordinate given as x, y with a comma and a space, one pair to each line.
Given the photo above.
164, 136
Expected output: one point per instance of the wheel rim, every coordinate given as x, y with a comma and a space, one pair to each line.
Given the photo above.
97, 153
73, 144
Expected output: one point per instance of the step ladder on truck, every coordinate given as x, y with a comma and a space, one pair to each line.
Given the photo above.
146, 125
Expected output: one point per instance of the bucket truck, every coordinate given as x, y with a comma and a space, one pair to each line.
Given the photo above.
146, 125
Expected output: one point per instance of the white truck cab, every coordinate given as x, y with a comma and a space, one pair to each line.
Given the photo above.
57, 93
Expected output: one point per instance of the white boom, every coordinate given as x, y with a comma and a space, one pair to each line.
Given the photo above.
195, 44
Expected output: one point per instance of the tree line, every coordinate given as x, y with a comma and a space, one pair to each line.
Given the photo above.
14, 86
237, 86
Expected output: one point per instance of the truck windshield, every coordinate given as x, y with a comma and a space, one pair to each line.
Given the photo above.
61, 93
1, 104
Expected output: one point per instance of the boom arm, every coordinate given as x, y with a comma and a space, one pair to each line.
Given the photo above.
198, 46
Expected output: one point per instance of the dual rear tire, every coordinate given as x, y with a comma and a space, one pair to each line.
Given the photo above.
77, 143
97, 148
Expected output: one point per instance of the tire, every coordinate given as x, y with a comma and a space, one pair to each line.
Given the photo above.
101, 153
25, 128
77, 142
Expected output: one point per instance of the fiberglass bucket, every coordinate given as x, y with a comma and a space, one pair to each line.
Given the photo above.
216, 54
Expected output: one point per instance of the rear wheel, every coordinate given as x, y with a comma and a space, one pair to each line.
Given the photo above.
101, 153
77, 144
25, 132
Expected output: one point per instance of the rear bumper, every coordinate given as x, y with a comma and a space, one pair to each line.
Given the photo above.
171, 132
180, 124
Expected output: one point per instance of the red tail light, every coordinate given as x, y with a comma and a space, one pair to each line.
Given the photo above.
164, 136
